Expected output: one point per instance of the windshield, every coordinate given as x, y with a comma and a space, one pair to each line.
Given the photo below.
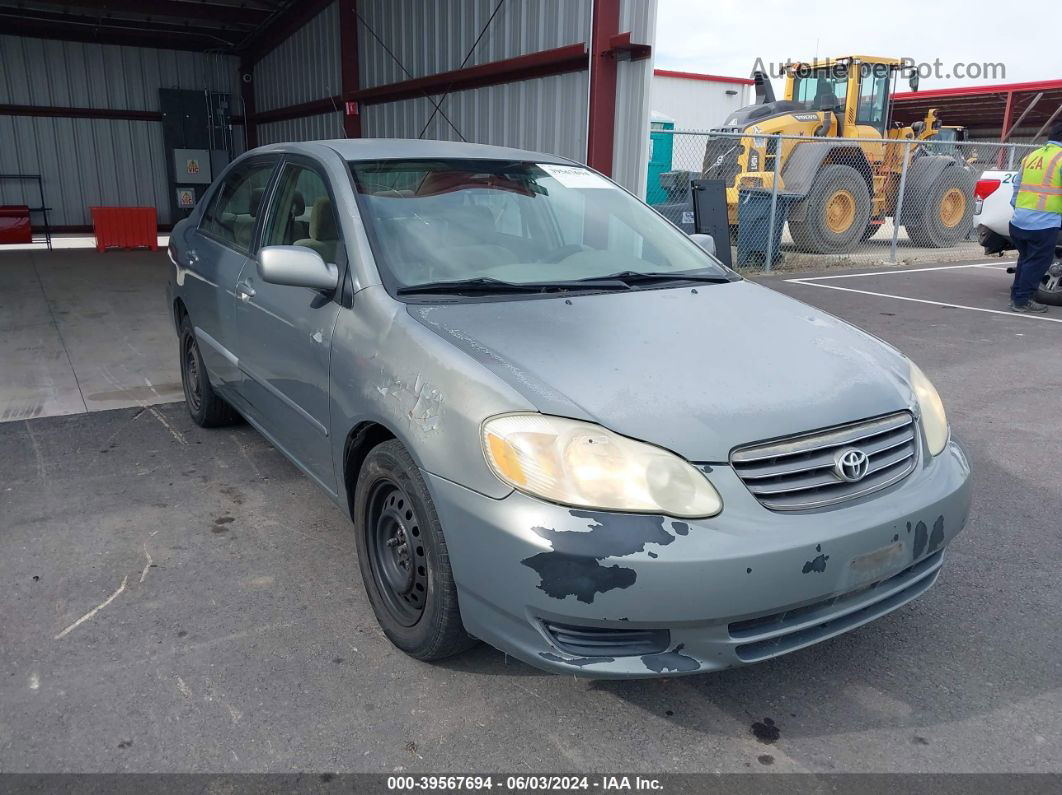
512, 223
822, 89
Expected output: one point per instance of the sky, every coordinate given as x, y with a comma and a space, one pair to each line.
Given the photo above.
726, 37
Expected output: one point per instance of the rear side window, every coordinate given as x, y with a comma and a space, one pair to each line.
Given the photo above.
231, 216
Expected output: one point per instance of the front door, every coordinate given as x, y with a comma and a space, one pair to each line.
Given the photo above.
285, 333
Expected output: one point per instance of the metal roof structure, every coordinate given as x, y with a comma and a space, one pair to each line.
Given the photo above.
229, 26
1003, 109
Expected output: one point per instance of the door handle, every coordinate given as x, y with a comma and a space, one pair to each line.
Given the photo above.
244, 291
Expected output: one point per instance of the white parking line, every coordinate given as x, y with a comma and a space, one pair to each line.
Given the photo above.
892, 272
812, 281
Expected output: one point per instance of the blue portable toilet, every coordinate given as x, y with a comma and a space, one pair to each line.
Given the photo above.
661, 150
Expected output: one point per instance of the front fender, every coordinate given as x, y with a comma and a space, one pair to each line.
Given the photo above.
388, 369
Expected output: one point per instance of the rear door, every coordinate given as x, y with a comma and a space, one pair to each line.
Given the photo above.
216, 259
285, 333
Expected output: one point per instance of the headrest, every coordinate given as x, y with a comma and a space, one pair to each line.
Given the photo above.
323, 220
256, 201
298, 204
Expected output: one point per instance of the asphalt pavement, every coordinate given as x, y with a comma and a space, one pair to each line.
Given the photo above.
180, 599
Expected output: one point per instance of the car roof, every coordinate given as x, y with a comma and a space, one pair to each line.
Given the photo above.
409, 148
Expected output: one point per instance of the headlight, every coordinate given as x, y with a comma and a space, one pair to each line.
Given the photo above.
934, 420
584, 465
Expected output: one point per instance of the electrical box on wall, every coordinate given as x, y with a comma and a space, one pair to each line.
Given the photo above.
197, 132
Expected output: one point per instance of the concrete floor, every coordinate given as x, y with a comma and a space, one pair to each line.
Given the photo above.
177, 599
83, 331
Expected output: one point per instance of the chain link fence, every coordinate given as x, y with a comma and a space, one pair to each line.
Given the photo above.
802, 202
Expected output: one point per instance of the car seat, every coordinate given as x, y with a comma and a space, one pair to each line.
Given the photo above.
323, 233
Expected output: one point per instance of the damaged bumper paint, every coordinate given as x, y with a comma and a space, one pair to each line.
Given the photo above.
741, 587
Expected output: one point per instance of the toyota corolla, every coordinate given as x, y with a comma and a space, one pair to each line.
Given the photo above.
558, 423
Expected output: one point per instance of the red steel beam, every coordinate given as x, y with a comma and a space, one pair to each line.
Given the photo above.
348, 62
572, 58
55, 111
303, 109
207, 12
561, 60
601, 125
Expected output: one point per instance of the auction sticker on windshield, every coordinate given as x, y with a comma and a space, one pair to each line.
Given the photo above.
574, 176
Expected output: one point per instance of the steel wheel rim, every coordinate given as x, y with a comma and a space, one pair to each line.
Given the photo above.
952, 207
193, 389
840, 211
396, 552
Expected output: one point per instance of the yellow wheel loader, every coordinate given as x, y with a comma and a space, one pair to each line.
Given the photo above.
841, 190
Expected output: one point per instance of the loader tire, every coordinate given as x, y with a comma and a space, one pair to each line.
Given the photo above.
870, 231
836, 212
945, 216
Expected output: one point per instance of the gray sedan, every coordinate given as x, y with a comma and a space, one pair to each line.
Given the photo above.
558, 423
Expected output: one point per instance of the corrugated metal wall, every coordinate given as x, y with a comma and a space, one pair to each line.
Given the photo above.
630, 154
545, 114
432, 36
696, 104
308, 128
83, 75
87, 162
305, 67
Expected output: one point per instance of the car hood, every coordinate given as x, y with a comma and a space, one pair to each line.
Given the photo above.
697, 371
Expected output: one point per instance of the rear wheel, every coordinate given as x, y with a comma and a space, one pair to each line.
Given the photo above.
870, 231
402, 554
835, 213
205, 407
946, 216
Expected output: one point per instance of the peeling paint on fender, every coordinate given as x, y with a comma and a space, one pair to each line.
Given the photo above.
573, 567
937, 538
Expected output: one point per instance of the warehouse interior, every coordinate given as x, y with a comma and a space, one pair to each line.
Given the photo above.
142, 103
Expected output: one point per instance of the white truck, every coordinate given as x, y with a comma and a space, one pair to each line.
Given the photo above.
992, 214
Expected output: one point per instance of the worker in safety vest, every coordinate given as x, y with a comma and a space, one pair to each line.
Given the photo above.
1037, 218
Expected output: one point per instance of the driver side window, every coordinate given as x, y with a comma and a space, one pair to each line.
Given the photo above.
303, 214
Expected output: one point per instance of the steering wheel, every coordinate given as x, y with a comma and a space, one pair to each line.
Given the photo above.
563, 252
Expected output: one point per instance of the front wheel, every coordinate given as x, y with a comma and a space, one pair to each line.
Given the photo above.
402, 554
835, 213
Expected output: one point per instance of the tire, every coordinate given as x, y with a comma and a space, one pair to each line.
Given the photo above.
946, 217
205, 407
403, 559
869, 232
1050, 291
836, 212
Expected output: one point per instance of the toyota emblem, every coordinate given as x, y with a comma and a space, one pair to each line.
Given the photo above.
851, 465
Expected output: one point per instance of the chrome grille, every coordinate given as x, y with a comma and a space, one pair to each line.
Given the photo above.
798, 473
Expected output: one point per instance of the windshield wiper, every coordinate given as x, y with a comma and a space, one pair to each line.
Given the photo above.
488, 286
635, 277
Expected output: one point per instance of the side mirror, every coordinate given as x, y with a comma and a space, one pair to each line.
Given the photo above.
707, 242
912, 81
296, 266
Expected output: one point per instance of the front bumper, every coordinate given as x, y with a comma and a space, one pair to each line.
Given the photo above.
741, 587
